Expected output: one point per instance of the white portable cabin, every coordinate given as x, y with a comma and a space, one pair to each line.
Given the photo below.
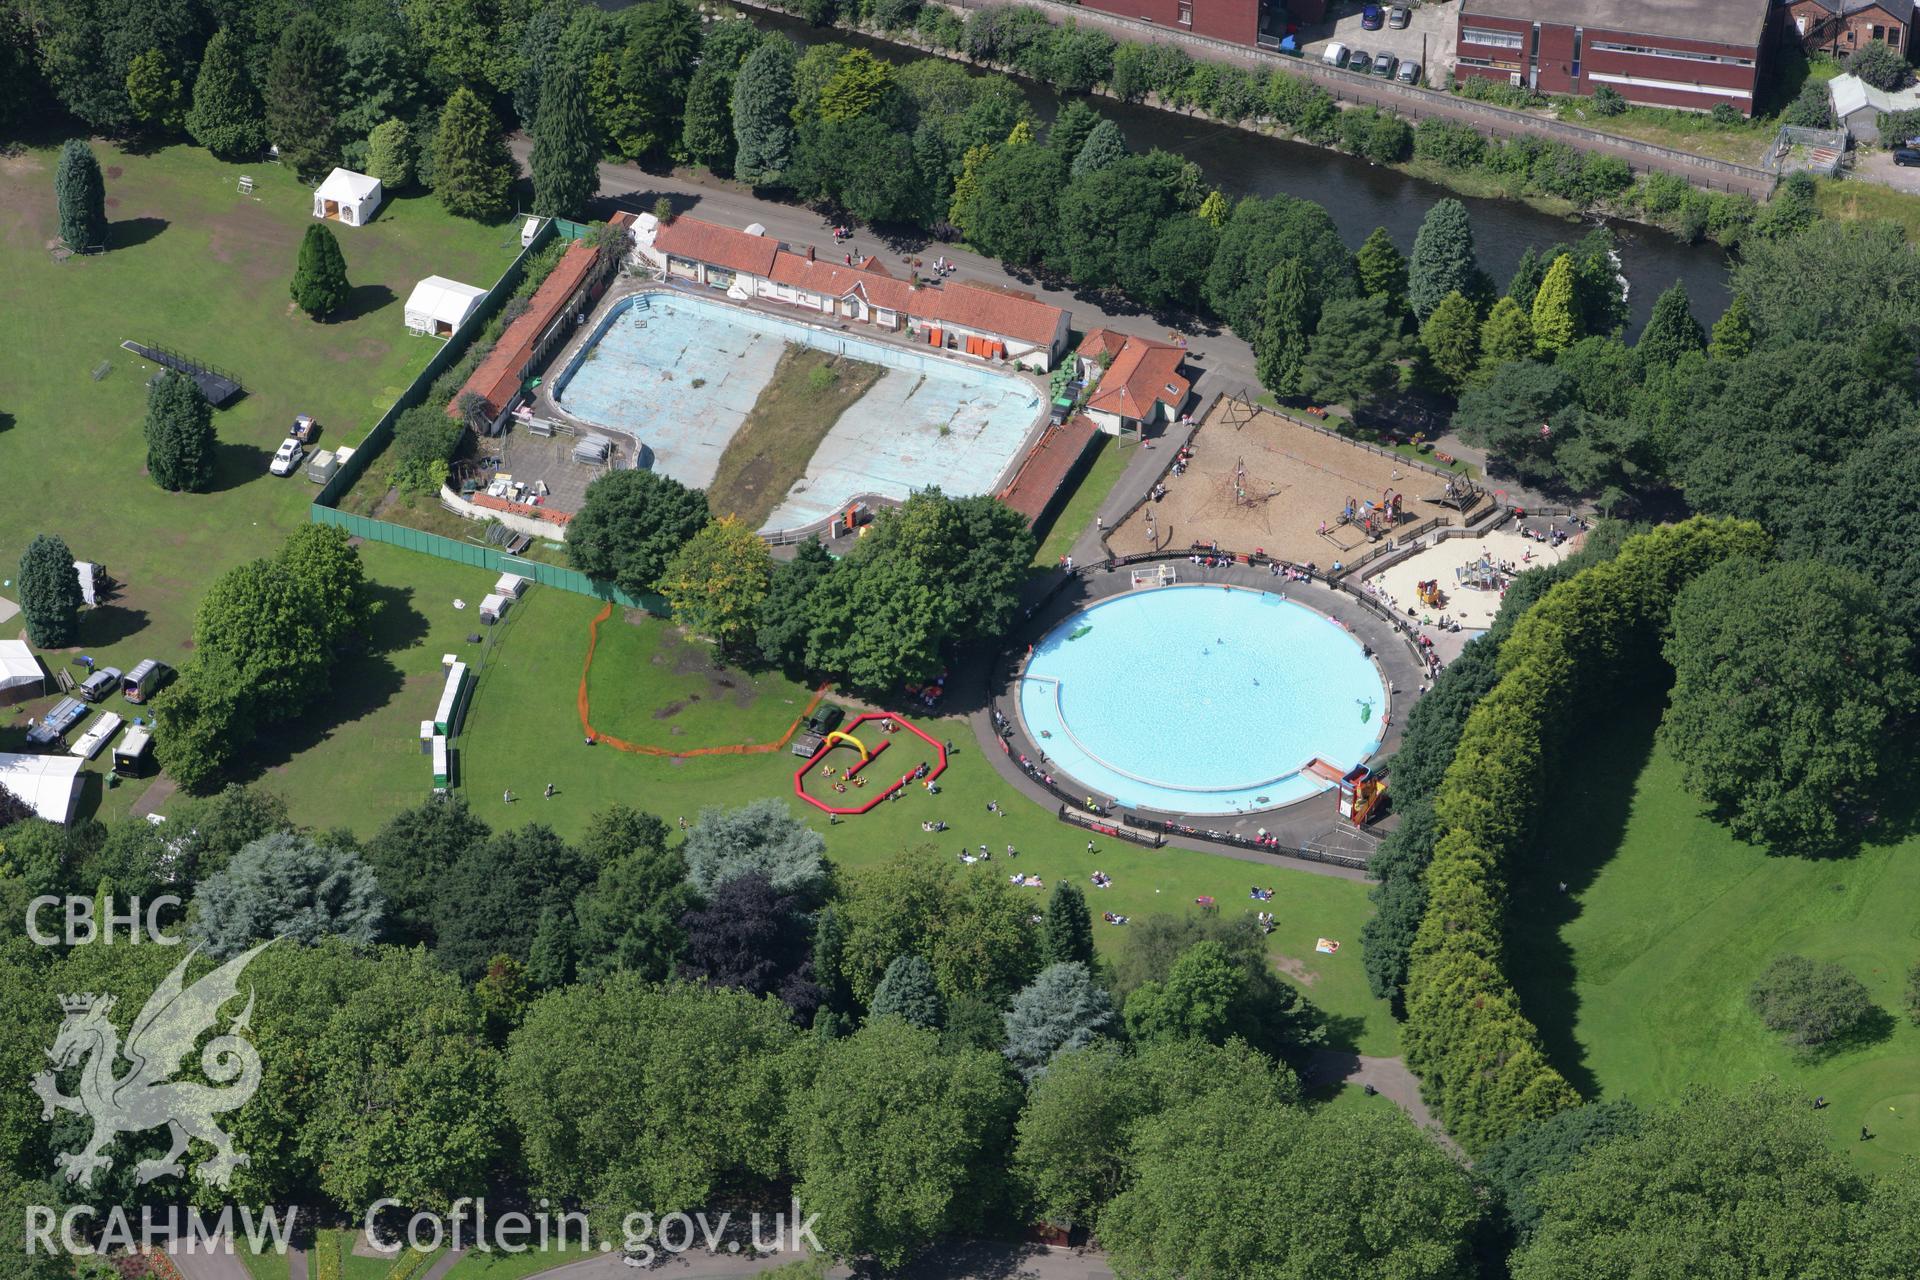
347, 197
493, 607
446, 720
96, 737
20, 674
427, 734
130, 756
510, 585
440, 766
438, 306
322, 465
528, 230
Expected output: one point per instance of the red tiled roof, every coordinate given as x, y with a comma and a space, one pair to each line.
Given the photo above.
1145, 371
837, 280
989, 311
717, 245
1101, 342
1047, 466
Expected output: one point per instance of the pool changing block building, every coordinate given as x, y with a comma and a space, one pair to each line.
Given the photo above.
966, 319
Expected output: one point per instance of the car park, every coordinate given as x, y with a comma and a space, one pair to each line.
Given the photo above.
1409, 73
1385, 65
1399, 17
1360, 60
286, 457
1334, 55
1372, 18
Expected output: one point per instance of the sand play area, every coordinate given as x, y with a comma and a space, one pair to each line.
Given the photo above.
1260, 482
1474, 608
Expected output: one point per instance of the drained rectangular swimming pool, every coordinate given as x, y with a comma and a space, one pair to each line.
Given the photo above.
680, 373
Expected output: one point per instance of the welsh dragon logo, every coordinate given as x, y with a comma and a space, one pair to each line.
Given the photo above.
144, 1097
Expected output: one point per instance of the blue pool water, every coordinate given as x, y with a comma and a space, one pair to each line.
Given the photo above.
679, 373
1198, 699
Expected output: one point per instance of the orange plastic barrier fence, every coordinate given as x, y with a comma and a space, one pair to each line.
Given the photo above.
737, 749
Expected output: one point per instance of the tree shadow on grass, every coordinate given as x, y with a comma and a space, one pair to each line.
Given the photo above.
397, 625
356, 688
363, 300
234, 464
6, 421
109, 624
1586, 817
128, 232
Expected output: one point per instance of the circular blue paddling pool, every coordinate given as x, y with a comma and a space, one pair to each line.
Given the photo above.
1201, 699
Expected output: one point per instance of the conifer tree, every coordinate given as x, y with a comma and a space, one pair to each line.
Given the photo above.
1556, 311
180, 439
1382, 267
1671, 330
1286, 327
49, 593
1451, 337
1506, 336
301, 80
320, 277
1105, 147
565, 160
473, 171
762, 113
1443, 261
82, 197
226, 117
1732, 332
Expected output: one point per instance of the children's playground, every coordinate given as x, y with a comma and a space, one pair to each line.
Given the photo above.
846, 774
1463, 579
1254, 480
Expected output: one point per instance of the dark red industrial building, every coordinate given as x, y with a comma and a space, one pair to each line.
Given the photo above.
1663, 53
1259, 23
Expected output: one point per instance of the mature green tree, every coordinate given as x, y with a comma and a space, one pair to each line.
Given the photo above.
748, 935
1105, 146
1451, 337
1827, 283
1062, 1009
1209, 977
302, 78
1066, 935
1741, 1184
1527, 277
1070, 129
1506, 336
1179, 256
1443, 260
322, 562
1556, 308
1351, 358
1257, 236
1196, 999
1811, 1005
636, 1097
1109, 218
379, 81
891, 1142
473, 171
81, 194
1671, 331
1287, 322
201, 722
866, 164
1881, 65
1732, 332
287, 886
179, 431
390, 155
786, 615
1788, 680
907, 992
706, 133
406, 1090
1336, 1193
1382, 268
976, 931
1010, 212
630, 525
12, 808
49, 593
320, 285
491, 901
226, 117
566, 158
411, 853
1514, 1167
272, 631
763, 99
155, 92
760, 836
630, 917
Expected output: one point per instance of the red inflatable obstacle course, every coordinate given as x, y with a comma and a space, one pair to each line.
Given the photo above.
844, 737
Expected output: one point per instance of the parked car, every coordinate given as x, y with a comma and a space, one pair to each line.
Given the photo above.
1372, 18
1385, 65
1409, 73
286, 457
1360, 60
1399, 16
1906, 157
1334, 55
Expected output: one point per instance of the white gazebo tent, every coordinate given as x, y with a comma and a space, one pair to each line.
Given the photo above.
346, 196
48, 784
437, 306
20, 675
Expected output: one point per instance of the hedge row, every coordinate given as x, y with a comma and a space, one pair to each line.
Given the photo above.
1477, 1055
409, 1264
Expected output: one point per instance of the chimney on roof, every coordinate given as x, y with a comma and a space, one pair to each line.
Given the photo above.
809, 253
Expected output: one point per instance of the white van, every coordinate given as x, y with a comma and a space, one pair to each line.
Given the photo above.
1335, 55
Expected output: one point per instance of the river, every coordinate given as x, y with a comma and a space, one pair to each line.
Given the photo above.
1361, 195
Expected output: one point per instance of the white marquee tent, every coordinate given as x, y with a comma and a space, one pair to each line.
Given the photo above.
346, 196
437, 306
48, 784
20, 675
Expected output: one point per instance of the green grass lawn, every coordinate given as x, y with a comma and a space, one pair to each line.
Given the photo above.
1110, 459
1851, 200
513, 1266
1638, 976
196, 266
522, 731
269, 1265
